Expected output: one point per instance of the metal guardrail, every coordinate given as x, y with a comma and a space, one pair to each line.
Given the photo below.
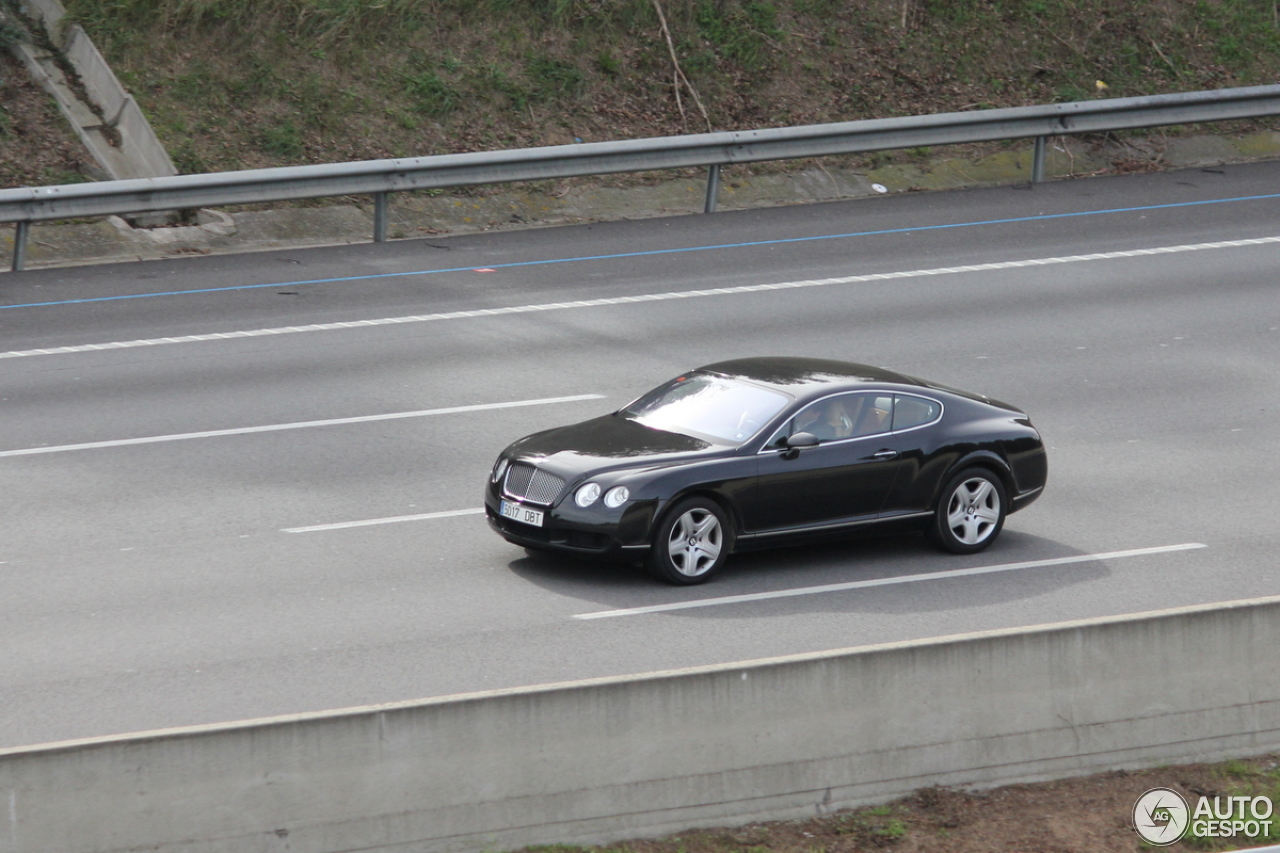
379, 178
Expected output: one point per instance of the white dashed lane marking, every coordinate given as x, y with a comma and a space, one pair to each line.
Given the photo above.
643, 298
360, 419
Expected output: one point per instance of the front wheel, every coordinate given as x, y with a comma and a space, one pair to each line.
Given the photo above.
970, 512
692, 542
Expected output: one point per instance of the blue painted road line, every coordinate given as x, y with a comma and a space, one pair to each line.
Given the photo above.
621, 255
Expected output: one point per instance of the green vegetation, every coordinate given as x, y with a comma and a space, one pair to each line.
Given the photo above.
10, 34
873, 827
282, 140
1242, 778
429, 94
234, 84
741, 34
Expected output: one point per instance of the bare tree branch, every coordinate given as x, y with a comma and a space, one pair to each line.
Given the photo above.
678, 73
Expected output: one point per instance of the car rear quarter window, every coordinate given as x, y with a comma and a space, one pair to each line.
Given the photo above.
911, 412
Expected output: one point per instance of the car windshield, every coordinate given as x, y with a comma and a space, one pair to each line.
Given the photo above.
706, 406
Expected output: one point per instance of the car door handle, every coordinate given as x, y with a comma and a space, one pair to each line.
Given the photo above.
885, 454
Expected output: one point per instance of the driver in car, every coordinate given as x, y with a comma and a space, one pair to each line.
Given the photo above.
826, 421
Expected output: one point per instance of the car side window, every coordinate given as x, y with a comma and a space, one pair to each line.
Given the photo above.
875, 415
913, 411
828, 420
840, 417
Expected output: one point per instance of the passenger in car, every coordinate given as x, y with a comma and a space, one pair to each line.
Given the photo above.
875, 416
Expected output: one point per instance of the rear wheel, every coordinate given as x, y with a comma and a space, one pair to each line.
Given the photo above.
692, 542
970, 513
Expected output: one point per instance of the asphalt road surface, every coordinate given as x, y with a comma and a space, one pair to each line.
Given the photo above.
262, 496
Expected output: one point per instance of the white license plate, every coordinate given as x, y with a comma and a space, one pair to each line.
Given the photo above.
521, 513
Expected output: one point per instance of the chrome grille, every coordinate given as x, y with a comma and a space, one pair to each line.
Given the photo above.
531, 484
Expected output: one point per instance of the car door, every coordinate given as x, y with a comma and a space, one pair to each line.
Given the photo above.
916, 437
843, 480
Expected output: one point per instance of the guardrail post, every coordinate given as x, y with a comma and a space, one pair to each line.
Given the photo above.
1037, 163
20, 232
380, 217
713, 187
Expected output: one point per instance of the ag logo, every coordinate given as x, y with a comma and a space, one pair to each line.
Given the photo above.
1161, 816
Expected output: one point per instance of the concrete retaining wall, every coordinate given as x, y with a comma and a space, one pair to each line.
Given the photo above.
118, 135
612, 758
142, 154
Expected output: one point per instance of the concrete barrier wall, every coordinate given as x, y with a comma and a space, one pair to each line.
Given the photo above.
48, 12
99, 80
136, 152
612, 758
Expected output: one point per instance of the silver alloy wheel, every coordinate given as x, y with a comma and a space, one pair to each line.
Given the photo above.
695, 542
973, 513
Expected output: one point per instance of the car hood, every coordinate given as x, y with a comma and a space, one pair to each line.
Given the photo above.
608, 442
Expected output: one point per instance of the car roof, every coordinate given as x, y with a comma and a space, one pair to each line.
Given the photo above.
804, 376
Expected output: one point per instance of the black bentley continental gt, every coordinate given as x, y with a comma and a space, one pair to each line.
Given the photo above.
759, 452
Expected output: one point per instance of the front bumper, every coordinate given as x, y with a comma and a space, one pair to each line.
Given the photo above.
623, 533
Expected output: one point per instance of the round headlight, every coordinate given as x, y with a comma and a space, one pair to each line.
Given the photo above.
499, 468
616, 497
587, 494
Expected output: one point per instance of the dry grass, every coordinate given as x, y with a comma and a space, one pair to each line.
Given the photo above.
235, 84
248, 83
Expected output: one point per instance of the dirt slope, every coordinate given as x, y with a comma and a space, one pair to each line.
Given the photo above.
230, 84
37, 146
1088, 814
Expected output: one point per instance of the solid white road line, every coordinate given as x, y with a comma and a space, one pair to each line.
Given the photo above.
422, 413
841, 587
369, 522
648, 297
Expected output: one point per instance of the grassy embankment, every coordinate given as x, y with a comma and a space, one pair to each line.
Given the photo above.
235, 84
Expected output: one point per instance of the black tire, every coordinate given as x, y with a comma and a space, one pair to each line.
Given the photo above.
691, 543
970, 512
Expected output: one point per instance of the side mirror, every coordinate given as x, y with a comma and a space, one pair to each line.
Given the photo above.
798, 441
802, 439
